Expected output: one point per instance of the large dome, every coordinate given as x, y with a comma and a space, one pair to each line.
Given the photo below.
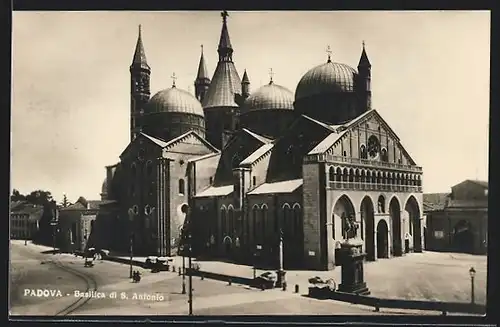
174, 100
329, 77
270, 96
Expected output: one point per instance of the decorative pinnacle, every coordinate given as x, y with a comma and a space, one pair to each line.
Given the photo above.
173, 79
271, 74
224, 16
329, 52
140, 30
363, 44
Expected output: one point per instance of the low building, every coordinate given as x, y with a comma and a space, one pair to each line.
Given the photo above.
24, 220
76, 223
458, 221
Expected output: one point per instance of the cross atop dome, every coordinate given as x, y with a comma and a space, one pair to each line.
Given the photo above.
173, 79
329, 52
271, 74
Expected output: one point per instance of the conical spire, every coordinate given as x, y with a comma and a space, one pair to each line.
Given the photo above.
363, 61
139, 54
202, 67
225, 48
245, 79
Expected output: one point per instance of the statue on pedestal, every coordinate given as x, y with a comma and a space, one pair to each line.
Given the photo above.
352, 261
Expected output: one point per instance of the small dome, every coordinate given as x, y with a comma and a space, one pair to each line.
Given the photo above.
174, 100
329, 77
270, 96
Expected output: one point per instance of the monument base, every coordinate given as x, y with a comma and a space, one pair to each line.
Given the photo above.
280, 278
352, 270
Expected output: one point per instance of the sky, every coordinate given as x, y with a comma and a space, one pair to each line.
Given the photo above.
71, 81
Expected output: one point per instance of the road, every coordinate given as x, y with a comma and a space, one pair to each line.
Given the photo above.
156, 294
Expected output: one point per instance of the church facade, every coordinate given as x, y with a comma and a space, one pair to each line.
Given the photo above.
245, 169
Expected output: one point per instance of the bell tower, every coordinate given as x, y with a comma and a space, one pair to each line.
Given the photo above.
202, 82
364, 87
140, 76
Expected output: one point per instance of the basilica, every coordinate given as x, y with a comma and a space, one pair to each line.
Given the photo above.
245, 169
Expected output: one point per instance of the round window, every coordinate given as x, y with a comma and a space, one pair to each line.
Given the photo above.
147, 209
135, 209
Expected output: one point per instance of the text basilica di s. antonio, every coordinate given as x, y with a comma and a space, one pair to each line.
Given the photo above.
244, 168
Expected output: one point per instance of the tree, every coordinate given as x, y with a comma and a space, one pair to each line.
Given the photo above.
65, 203
39, 197
16, 196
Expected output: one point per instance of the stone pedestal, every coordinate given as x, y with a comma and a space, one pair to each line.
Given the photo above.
280, 278
352, 270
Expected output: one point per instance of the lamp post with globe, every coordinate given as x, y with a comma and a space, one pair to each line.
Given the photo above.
131, 213
472, 273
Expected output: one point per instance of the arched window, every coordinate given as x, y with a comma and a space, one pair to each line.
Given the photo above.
338, 175
331, 174
254, 180
362, 152
296, 229
255, 222
264, 222
351, 175
223, 222
181, 186
285, 218
344, 175
383, 155
230, 222
344, 153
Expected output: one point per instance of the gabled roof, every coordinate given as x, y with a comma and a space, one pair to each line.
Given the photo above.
154, 140
319, 123
277, 187
216, 191
327, 143
340, 130
257, 154
203, 157
478, 182
92, 205
187, 134
257, 136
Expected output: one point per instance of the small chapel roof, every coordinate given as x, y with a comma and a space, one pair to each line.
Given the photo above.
216, 191
278, 187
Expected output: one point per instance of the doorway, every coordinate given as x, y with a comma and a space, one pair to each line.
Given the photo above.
382, 240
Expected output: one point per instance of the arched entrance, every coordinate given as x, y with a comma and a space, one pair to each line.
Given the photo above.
382, 239
463, 237
342, 209
368, 224
395, 212
228, 245
415, 226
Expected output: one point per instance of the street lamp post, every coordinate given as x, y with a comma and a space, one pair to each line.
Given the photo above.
183, 261
257, 248
53, 223
131, 216
472, 273
281, 271
190, 277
